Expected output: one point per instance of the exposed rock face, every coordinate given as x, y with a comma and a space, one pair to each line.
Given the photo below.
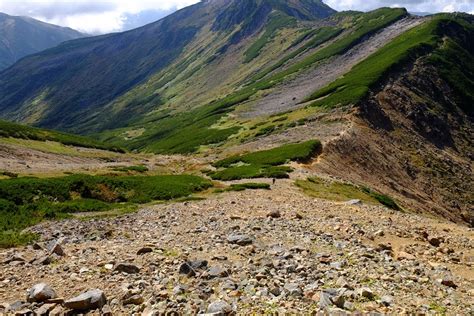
420, 141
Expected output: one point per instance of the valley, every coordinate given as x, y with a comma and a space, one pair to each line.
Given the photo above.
276, 157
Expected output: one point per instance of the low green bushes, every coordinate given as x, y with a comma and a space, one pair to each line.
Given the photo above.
251, 172
265, 164
28, 201
340, 191
8, 129
277, 156
139, 169
245, 186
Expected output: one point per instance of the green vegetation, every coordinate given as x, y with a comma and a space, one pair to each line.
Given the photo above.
366, 25
339, 191
277, 21
356, 84
383, 199
300, 152
320, 36
13, 130
184, 132
28, 201
455, 63
247, 186
251, 172
265, 164
187, 131
139, 169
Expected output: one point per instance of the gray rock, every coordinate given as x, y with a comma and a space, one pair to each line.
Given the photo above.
229, 285
293, 289
274, 214
354, 202
219, 308
365, 292
45, 309
133, 300
190, 268
106, 311
44, 260
40, 293
217, 272
144, 250
386, 300
240, 239
435, 242
127, 268
339, 300
16, 306
89, 300
179, 289
325, 300
15, 258
56, 248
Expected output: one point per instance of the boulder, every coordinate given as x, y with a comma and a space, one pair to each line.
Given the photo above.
144, 250
89, 300
239, 239
190, 268
127, 268
219, 308
39, 293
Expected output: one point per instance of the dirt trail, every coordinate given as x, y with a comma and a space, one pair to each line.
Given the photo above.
287, 96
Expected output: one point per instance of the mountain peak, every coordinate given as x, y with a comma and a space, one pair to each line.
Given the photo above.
235, 12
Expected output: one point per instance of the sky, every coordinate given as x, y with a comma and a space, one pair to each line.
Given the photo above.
98, 17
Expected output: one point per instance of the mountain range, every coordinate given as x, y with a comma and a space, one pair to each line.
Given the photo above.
389, 94
22, 36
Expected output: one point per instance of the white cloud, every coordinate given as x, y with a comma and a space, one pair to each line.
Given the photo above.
433, 6
89, 16
105, 16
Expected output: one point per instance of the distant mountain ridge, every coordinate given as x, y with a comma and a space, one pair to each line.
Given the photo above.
22, 36
74, 81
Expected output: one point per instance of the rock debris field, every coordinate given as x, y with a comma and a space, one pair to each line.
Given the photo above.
243, 253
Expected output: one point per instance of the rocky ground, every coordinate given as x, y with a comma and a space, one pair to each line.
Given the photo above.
250, 252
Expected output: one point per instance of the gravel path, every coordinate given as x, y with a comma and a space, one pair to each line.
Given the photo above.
264, 251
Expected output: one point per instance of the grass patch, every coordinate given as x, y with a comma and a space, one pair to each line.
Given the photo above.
251, 172
138, 169
8, 129
27, 201
339, 191
300, 152
418, 41
265, 164
246, 186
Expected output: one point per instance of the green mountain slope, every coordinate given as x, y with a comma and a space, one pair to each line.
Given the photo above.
22, 36
75, 85
12, 130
